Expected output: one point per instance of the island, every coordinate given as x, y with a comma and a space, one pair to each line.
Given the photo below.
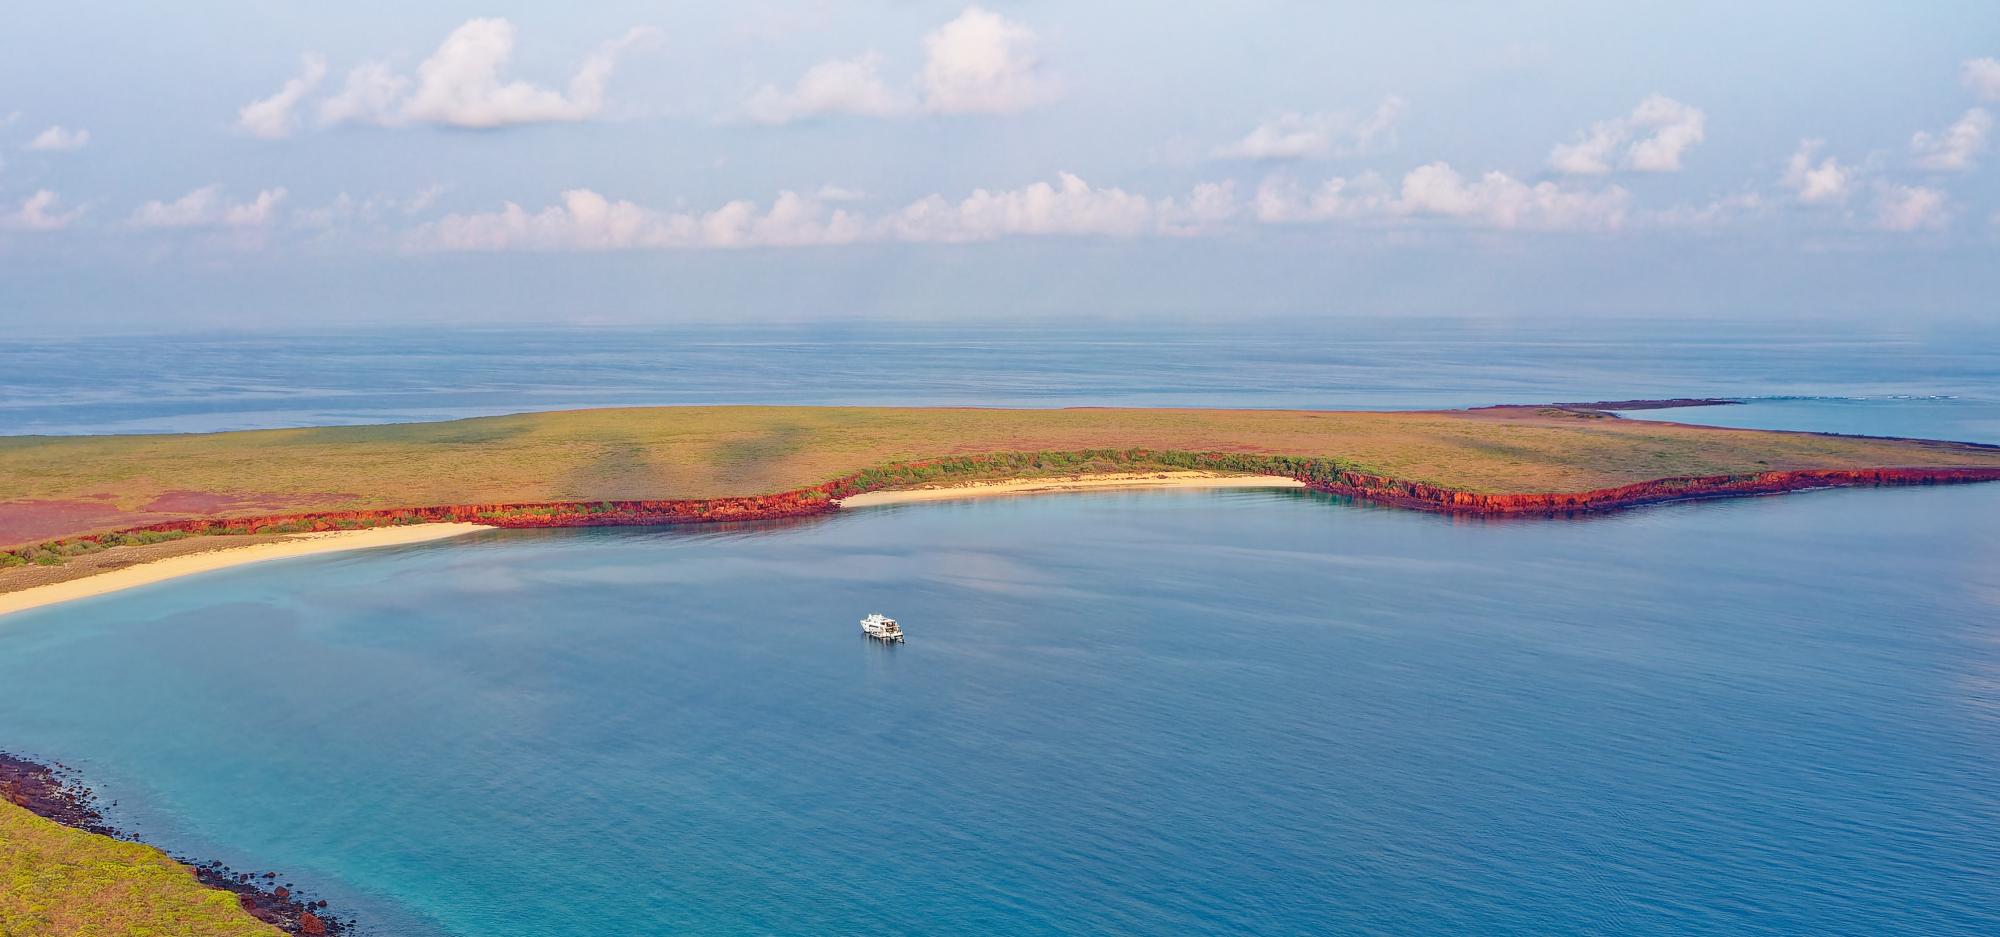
83, 514
77, 507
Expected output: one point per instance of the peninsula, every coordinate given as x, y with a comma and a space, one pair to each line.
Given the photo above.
73, 507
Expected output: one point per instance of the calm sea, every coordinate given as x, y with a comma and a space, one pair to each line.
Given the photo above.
1875, 379
1264, 712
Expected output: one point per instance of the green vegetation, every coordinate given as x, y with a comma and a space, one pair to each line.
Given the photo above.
707, 452
55, 880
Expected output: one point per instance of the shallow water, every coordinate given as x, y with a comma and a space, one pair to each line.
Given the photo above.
1168, 712
1193, 712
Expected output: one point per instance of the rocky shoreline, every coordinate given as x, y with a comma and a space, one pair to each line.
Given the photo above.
1422, 497
52, 792
1329, 475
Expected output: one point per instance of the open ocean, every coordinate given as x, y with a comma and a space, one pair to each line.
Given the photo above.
1223, 712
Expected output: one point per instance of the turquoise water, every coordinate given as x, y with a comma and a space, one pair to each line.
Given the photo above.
1218, 712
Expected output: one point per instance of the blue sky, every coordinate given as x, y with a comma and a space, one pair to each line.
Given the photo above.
284, 164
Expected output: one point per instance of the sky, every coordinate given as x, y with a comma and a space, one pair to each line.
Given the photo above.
283, 164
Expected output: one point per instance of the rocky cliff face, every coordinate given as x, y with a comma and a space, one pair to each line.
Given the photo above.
1434, 498
1319, 474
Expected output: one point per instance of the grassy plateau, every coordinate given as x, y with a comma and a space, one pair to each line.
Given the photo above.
57, 880
54, 487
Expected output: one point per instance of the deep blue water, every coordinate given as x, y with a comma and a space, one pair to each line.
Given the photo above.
1221, 712
1902, 379
1224, 712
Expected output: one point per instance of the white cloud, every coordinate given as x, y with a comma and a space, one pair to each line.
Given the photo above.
41, 211
1653, 137
843, 86
1070, 207
275, 117
1302, 136
368, 97
207, 207
1493, 200
1592, 152
58, 140
979, 63
1955, 148
459, 85
1501, 201
1279, 200
1982, 76
1676, 128
588, 221
1909, 208
983, 63
1824, 183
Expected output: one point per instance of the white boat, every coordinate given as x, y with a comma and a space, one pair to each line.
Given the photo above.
882, 628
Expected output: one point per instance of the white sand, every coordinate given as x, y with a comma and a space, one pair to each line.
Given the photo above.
188, 564
1037, 486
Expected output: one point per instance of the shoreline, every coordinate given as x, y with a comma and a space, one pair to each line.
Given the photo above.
224, 557
1115, 481
53, 793
899, 484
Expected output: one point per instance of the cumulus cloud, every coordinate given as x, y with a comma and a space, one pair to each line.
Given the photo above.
1498, 200
461, 84
41, 211
1281, 200
983, 63
979, 63
1071, 206
1909, 208
585, 220
369, 96
1436, 190
207, 207
276, 117
1826, 182
1982, 76
1653, 138
56, 139
588, 221
1304, 136
1955, 148
843, 86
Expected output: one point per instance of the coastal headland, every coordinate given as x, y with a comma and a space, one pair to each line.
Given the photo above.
65, 870
94, 501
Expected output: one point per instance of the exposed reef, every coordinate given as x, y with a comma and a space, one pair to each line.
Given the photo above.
53, 793
1670, 403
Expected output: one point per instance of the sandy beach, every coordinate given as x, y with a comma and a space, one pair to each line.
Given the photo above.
191, 563
1052, 485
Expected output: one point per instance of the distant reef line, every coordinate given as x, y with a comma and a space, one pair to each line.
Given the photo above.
1319, 474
